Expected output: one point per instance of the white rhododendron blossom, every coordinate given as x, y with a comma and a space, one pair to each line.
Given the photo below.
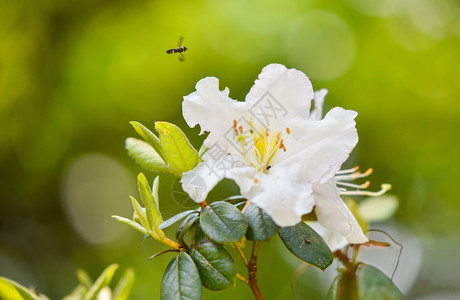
282, 157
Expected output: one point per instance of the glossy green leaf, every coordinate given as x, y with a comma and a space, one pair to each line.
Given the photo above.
11, 290
180, 154
181, 280
150, 138
104, 280
153, 215
260, 225
185, 225
145, 155
373, 284
175, 218
223, 222
307, 245
215, 265
124, 286
132, 224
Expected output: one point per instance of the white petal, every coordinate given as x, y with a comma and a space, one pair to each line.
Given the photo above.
320, 147
199, 181
320, 96
333, 213
334, 239
279, 193
244, 178
213, 109
279, 95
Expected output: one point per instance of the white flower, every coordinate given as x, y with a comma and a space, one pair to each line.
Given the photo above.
283, 158
336, 223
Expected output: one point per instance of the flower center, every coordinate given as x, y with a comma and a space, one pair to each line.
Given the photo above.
259, 146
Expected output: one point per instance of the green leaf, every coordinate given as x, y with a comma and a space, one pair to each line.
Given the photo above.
84, 278
222, 222
104, 280
140, 213
307, 245
11, 290
185, 225
215, 265
150, 138
153, 215
373, 284
260, 225
181, 279
145, 155
124, 286
132, 224
175, 218
155, 188
180, 154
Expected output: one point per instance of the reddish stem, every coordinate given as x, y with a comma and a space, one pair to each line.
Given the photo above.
252, 268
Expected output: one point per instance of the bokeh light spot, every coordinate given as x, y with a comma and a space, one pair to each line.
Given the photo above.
95, 188
321, 44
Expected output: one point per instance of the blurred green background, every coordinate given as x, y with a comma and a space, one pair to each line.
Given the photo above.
74, 73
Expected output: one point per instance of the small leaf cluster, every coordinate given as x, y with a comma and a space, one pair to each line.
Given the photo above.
170, 152
86, 290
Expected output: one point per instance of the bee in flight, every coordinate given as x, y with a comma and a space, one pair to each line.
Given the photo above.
179, 49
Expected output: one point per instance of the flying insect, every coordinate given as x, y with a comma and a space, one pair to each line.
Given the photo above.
180, 49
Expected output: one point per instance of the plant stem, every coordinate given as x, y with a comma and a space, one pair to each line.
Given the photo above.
246, 206
203, 204
347, 284
242, 278
252, 268
171, 243
241, 253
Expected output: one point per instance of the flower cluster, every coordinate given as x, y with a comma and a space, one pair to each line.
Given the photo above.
282, 153
286, 158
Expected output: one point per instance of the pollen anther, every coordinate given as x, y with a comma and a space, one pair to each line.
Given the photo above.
282, 145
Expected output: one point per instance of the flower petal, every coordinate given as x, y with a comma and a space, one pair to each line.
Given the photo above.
213, 109
280, 194
279, 95
334, 239
333, 214
199, 181
320, 96
320, 147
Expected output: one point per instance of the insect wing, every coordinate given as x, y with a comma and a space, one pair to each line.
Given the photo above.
181, 56
179, 42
